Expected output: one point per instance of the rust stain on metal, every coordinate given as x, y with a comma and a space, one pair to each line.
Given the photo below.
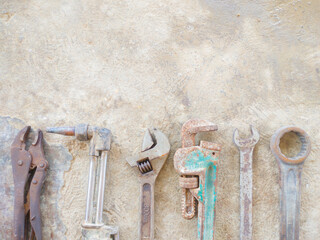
154, 153
28, 166
290, 181
246, 147
197, 167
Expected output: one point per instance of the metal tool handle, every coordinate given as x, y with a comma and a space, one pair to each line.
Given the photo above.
290, 181
146, 210
20, 175
246, 194
290, 202
35, 191
95, 192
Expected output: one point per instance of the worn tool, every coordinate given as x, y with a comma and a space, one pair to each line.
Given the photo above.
246, 147
198, 166
290, 181
100, 143
155, 151
29, 169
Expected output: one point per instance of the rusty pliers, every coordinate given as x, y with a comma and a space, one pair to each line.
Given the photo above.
29, 171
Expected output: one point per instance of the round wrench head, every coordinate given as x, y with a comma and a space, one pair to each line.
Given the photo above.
246, 142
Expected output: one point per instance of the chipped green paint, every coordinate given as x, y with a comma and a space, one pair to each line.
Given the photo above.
207, 194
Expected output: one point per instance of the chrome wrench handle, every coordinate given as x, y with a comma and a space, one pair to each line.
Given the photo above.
290, 181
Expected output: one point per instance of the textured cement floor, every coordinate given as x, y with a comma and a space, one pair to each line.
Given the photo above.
129, 65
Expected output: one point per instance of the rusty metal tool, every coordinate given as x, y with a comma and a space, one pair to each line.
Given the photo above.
100, 143
197, 167
246, 147
155, 151
29, 169
290, 181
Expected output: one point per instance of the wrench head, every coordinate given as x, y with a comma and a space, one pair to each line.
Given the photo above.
305, 148
246, 142
155, 151
192, 127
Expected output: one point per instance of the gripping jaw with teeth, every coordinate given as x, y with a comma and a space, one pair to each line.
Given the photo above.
29, 171
197, 167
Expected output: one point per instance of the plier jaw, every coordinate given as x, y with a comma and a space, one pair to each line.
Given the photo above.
27, 199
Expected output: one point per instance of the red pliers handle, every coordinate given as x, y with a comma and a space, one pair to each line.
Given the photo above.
27, 165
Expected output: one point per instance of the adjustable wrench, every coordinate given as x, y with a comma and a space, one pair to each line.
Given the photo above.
155, 151
246, 147
198, 167
290, 181
100, 142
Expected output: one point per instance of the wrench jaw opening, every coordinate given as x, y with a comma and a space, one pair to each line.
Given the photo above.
246, 146
304, 151
290, 181
155, 151
197, 167
246, 142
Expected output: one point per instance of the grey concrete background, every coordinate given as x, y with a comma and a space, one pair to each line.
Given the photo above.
129, 65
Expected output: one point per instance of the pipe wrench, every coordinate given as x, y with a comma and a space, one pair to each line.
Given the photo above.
197, 167
155, 151
290, 181
29, 169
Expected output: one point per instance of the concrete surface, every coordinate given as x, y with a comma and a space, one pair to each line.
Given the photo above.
129, 65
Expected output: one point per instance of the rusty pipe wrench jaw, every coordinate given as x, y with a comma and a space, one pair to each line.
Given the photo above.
192, 164
192, 127
201, 162
290, 181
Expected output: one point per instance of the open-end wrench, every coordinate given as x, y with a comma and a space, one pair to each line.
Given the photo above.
197, 167
246, 147
155, 151
290, 181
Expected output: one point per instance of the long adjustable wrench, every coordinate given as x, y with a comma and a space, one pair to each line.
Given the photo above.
290, 181
246, 147
197, 167
155, 151
100, 141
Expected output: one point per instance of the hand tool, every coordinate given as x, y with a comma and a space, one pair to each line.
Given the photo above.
29, 169
246, 147
290, 181
155, 151
198, 167
100, 143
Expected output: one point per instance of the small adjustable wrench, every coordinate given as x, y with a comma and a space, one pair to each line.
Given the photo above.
155, 151
246, 147
198, 166
290, 181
